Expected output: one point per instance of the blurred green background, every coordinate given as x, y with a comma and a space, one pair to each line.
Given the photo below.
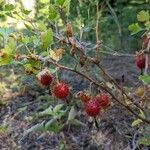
115, 17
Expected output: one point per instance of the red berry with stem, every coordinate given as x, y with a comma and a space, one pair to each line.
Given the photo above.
61, 90
92, 108
44, 77
140, 61
103, 100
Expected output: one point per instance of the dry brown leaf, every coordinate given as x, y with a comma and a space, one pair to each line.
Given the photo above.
56, 54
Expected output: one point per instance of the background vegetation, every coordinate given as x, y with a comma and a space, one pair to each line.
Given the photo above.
61, 37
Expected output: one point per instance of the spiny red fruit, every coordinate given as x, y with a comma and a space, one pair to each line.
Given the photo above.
140, 61
92, 108
83, 96
61, 90
44, 77
103, 100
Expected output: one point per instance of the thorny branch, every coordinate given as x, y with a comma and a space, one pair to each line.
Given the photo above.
101, 85
82, 48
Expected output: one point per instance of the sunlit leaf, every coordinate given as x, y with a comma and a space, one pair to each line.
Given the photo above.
25, 11
26, 40
59, 2
147, 25
52, 12
1, 1
48, 111
137, 1
66, 6
136, 122
143, 16
8, 7
134, 28
6, 54
56, 54
145, 79
47, 39
41, 26
28, 25
142, 114
72, 114
57, 108
11, 45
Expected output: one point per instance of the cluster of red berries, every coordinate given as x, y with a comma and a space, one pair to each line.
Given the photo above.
60, 90
93, 106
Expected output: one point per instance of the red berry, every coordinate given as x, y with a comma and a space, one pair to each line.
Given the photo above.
103, 100
92, 108
140, 61
44, 77
61, 90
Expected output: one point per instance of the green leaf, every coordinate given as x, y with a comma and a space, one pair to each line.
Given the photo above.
48, 111
147, 25
6, 58
144, 141
41, 26
143, 16
5, 32
52, 12
26, 12
145, 79
44, 53
11, 45
66, 6
3, 129
59, 2
136, 122
142, 114
62, 145
1, 1
26, 40
35, 128
47, 39
54, 126
137, 1
57, 108
28, 25
45, 97
32, 66
78, 123
8, 52
134, 28
8, 7
72, 114
5, 61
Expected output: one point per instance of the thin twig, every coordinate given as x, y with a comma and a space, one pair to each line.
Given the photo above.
101, 85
